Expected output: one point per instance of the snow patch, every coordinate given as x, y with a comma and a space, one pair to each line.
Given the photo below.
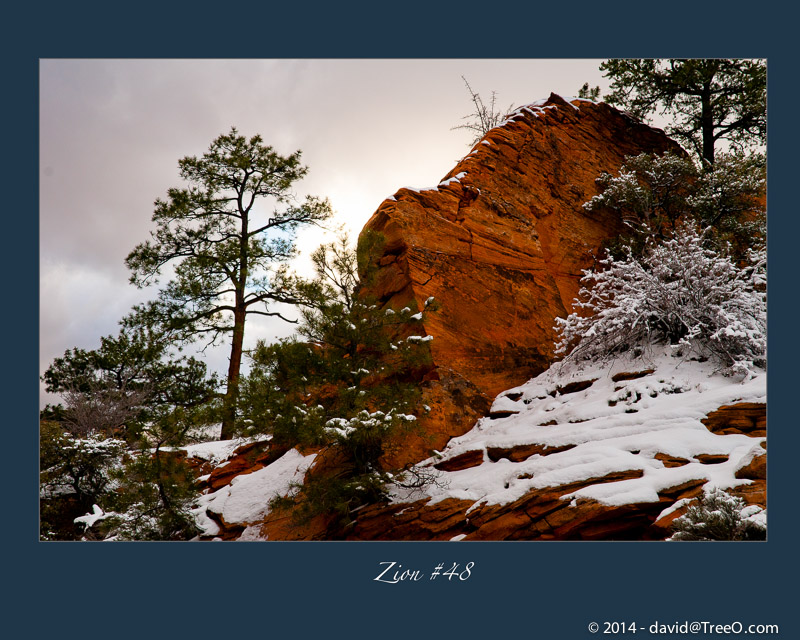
247, 497
219, 451
611, 426
90, 518
455, 178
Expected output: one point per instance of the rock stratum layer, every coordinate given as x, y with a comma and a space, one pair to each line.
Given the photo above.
596, 452
500, 243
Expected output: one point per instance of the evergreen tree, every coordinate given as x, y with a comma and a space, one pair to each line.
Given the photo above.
589, 93
653, 194
228, 254
709, 99
348, 385
77, 466
128, 405
130, 381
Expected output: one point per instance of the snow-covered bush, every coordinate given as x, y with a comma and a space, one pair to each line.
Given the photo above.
729, 195
721, 516
79, 466
678, 292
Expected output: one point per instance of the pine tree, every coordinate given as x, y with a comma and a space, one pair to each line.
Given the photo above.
653, 194
129, 404
130, 381
589, 93
347, 384
228, 253
709, 99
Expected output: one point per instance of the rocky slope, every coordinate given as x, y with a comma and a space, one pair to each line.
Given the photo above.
614, 451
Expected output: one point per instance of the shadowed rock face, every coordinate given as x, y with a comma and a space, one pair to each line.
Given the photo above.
500, 244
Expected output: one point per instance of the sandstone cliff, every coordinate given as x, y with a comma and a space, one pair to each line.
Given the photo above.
500, 244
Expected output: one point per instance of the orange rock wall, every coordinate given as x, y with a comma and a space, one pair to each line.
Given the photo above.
501, 244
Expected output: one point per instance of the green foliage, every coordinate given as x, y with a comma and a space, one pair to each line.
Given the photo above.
588, 93
154, 498
650, 193
709, 99
145, 493
80, 466
654, 193
730, 198
131, 384
131, 388
719, 516
336, 497
350, 386
229, 256
75, 473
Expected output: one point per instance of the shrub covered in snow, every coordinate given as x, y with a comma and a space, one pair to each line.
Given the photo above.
721, 516
650, 191
678, 292
79, 466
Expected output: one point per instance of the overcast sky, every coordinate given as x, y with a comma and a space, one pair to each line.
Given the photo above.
112, 132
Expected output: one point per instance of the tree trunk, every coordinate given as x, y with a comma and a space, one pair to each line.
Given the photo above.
234, 368
239, 315
707, 122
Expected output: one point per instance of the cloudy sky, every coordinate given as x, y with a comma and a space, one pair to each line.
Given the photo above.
112, 131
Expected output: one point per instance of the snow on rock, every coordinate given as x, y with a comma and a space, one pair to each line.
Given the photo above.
252, 534
603, 419
90, 518
247, 497
455, 178
218, 451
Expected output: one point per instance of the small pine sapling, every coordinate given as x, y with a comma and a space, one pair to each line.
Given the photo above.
720, 516
346, 385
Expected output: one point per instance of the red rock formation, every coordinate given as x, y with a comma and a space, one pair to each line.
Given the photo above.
542, 514
747, 418
500, 244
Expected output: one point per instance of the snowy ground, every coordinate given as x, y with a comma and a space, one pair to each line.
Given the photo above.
604, 428
246, 499
612, 426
